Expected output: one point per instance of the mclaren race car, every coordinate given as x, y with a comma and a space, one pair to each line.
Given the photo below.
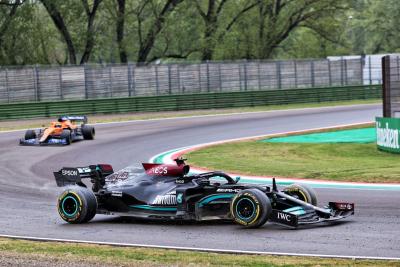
168, 192
64, 131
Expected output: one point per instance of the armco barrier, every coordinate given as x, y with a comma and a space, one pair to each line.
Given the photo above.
188, 101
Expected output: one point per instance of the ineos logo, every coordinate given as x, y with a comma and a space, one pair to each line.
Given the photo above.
69, 172
162, 170
284, 216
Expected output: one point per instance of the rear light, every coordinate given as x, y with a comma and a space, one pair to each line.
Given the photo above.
106, 167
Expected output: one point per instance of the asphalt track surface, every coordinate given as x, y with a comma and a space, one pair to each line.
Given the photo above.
28, 192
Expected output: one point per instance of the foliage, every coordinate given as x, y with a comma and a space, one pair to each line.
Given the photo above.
80, 31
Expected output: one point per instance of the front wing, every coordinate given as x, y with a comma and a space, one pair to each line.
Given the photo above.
293, 217
35, 142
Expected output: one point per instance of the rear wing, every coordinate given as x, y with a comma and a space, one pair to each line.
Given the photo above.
73, 176
74, 118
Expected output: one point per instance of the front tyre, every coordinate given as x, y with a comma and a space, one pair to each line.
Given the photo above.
77, 205
66, 135
302, 192
250, 208
30, 134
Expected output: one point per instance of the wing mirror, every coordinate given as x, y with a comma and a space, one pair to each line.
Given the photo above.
237, 179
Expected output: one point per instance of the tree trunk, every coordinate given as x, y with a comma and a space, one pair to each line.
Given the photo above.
90, 31
4, 26
120, 31
155, 29
60, 24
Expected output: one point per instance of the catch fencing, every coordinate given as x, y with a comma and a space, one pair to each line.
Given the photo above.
95, 81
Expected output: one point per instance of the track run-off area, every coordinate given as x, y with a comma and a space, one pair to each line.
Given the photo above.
28, 193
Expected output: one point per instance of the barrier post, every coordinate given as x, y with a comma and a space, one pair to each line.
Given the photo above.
7, 88
36, 83
61, 83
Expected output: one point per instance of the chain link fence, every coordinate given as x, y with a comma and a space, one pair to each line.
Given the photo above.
49, 83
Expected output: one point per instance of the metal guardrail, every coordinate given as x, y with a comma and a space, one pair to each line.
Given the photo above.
188, 101
49, 83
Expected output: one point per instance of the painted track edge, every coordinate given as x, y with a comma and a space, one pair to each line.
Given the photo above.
224, 251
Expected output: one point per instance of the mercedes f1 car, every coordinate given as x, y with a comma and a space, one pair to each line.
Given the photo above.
64, 131
168, 192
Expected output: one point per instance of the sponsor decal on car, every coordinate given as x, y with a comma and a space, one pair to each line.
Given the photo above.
168, 199
284, 216
228, 190
84, 170
179, 198
116, 193
117, 177
69, 172
56, 141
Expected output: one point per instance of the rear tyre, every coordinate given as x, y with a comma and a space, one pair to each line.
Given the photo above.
30, 134
302, 192
77, 205
88, 132
250, 208
66, 134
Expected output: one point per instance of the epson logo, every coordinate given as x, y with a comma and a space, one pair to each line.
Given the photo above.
284, 216
69, 172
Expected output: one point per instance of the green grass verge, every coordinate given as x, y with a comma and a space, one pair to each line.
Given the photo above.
77, 254
339, 162
36, 123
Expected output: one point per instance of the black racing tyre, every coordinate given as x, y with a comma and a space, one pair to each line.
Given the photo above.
88, 132
302, 192
66, 134
250, 208
30, 134
77, 205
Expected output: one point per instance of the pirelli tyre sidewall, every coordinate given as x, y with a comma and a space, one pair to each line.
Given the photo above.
88, 132
30, 134
302, 192
77, 205
250, 208
66, 134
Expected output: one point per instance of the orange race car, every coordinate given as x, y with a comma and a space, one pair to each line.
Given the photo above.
64, 131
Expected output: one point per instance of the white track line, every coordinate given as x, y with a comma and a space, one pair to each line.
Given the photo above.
42, 239
212, 115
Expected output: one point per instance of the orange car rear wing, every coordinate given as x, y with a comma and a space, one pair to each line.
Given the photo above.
73, 118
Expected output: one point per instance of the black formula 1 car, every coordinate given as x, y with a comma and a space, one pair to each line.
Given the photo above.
167, 192
64, 131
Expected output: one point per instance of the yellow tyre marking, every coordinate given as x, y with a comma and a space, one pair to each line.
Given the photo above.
257, 209
78, 213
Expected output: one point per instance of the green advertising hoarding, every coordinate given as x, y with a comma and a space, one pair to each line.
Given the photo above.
387, 134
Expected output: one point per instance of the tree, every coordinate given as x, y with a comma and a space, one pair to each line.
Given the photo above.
378, 25
120, 30
212, 20
147, 40
279, 18
8, 10
53, 9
